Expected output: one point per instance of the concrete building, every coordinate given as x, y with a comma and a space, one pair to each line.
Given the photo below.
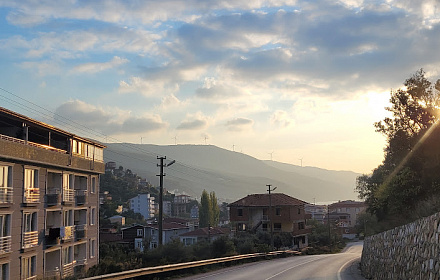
256, 212
317, 212
143, 204
49, 195
180, 202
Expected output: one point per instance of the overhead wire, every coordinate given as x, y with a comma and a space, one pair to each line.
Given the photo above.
63, 121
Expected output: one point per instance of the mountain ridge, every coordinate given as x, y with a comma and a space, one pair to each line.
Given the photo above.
230, 174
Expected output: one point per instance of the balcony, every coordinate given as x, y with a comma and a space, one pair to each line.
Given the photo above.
52, 237
52, 274
5, 244
68, 196
68, 269
30, 239
31, 195
80, 197
53, 197
5, 195
80, 232
67, 233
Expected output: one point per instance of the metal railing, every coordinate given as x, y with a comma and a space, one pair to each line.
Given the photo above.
52, 274
80, 232
68, 269
68, 195
31, 195
6, 195
42, 146
5, 244
30, 239
165, 268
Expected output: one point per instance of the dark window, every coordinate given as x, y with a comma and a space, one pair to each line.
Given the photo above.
299, 210
241, 227
301, 225
276, 227
240, 212
278, 211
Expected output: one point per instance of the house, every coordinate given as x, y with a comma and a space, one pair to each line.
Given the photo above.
49, 199
203, 234
318, 212
143, 204
117, 219
345, 214
256, 212
170, 231
180, 202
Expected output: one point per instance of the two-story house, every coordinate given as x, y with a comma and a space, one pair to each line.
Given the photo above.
258, 211
49, 195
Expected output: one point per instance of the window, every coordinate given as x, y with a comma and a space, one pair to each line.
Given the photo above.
139, 232
31, 190
67, 255
4, 271
93, 216
28, 267
93, 185
278, 211
241, 227
5, 184
301, 225
29, 221
299, 210
5, 233
277, 227
240, 212
92, 248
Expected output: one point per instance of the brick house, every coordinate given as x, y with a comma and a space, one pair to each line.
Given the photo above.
253, 213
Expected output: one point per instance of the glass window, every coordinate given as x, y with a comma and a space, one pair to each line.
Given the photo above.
29, 222
278, 211
93, 185
92, 248
5, 184
28, 267
4, 271
240, 212
92, 216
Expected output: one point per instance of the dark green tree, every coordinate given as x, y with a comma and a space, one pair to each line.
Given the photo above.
409, 175
204, 210
215, 210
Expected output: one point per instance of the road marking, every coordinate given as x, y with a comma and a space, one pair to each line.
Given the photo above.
312, 260
343, 266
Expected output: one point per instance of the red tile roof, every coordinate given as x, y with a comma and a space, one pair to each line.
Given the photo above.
261, 200
167, 226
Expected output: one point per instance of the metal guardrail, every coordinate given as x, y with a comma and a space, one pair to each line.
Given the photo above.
171, 267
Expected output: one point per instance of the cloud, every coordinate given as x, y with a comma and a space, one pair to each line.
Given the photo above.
150, 88
239, 124
193, 122
102, 66
109, 122
281, 118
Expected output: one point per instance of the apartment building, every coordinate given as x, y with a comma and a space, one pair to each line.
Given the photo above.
49, 186
143, 204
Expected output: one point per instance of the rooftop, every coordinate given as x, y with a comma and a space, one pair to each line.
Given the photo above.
259, 200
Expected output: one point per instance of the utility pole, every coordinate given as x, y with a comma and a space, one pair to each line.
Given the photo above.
329, 235
161, 175
270, 215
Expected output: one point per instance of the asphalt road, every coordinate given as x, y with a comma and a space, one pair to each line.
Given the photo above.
342, 266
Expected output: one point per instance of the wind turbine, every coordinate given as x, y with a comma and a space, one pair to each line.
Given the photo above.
271, 154
301, 159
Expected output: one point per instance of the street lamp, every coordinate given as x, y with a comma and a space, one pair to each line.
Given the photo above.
161, 175
270, 215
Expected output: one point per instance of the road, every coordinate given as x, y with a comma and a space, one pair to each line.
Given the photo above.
342, 266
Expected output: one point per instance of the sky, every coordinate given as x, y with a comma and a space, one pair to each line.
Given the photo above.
300, 82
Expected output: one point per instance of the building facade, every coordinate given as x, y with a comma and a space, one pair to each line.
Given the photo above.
257, 212
143, 204
49, 195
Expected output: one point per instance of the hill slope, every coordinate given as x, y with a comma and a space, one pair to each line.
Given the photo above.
231, 175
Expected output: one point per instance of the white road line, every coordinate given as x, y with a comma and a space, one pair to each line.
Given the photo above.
281, 272
343, 266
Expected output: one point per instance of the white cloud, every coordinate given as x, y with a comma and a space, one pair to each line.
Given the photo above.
239, 124
98, 67
149, 88
109, 121
193, 122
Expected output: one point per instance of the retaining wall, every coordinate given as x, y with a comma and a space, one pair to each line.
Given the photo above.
411, 251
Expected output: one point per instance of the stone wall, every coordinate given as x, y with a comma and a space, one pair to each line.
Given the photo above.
411, 251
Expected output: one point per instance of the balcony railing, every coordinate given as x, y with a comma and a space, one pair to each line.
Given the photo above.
42, 146
68, 195
53, 197
68, 269
5, 195
30, 239
31, 195
5, 244
67, 232
80, 232
52, 274
81, 261
80, 197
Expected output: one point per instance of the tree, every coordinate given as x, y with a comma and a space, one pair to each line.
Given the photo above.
409, 173
204, 210
215, 210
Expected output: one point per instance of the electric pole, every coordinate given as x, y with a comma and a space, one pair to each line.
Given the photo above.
161, 175
270, 215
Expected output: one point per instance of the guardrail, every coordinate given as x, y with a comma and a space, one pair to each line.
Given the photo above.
178, 266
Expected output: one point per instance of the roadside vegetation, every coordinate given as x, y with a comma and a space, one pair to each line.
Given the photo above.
406, 186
